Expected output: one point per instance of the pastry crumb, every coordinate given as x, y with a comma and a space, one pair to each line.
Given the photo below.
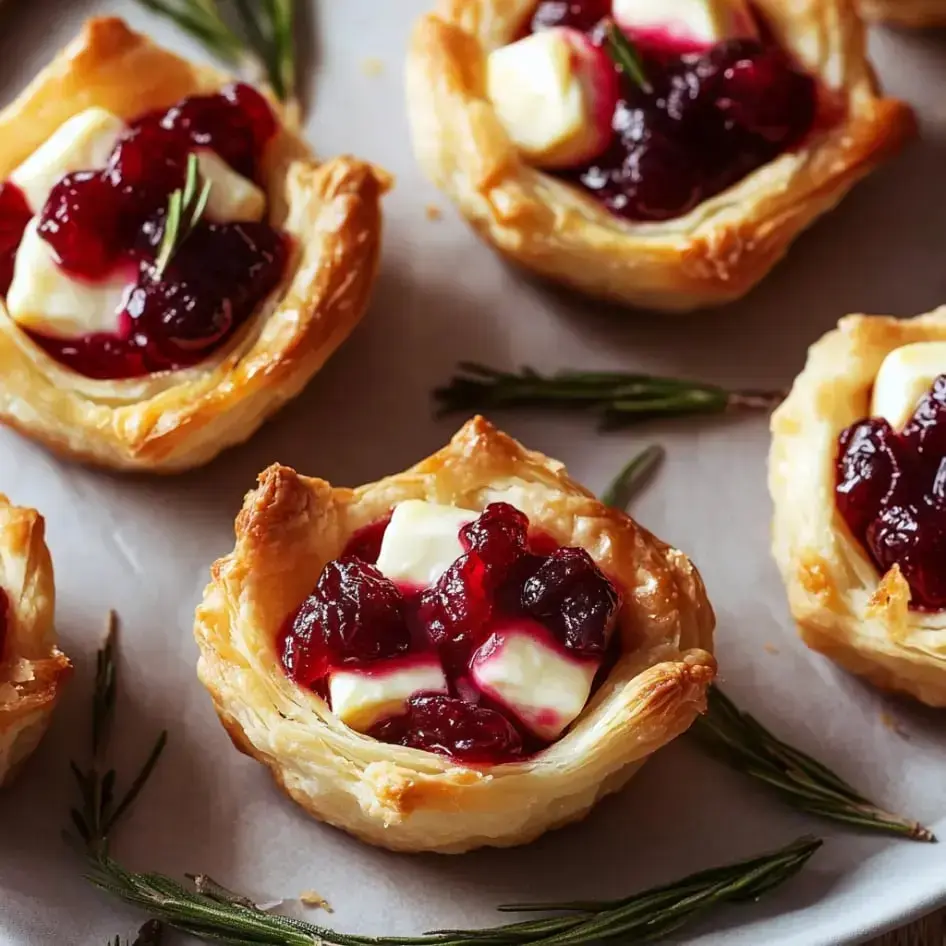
771, 649
312, 899
893, 724
433, 212
372, 67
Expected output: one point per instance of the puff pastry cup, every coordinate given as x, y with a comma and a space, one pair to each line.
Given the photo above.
32, 668
410, 800
176, 420
905, 12
710, 256
843, 606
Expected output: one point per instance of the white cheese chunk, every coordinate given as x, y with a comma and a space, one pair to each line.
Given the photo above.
528, 673
906, 374
554, 93
422, 541
45, 298
362, 698
702, 22
83, 143
233, 198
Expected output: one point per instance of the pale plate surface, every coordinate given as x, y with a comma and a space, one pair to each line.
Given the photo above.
143, 547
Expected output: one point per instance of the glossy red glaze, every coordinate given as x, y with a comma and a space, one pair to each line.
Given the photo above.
14, 216
104, 222
891, 492
356, 618
710, 118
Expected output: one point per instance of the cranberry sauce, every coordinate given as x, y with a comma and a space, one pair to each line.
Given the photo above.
355, 616
110, 221
891, 492
710, 117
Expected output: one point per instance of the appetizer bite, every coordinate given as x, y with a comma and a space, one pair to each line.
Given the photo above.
661, 154
32, 668
174, 265
858, 477
468, 653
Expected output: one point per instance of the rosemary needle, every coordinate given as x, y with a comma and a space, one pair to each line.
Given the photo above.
618, 398
742, 741
260, 39
625, 55
186, 207
210, 912
630, 480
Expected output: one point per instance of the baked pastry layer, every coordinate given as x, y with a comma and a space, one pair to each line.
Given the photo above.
843, 606
411, 800
712, 255
175, 420
32, 668
905, 12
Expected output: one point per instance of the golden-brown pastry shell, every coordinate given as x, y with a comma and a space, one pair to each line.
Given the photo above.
843, 606
710, 256
406, 799
175, 420
32, 668
917, 13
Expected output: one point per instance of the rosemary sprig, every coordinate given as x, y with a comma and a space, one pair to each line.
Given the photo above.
635, 474
261, 39
186, 206
619, 398
744, 743
626, 57
209, 911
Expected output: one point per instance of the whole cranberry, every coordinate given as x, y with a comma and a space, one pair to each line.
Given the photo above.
354, 613
925, 432
497, 536
453, 727
571, 596
914, 537
867, 468
15, 214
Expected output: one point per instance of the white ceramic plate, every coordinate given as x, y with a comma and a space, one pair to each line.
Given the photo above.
143, 546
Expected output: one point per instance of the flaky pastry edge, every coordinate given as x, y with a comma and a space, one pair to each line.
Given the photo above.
406, 799
708, 257
177, 420
32, 668
915, 13
842, 606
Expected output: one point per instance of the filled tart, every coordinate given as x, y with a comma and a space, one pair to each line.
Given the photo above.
858, 477
905, 12
661, 153
139, 334
468, 653
32, 668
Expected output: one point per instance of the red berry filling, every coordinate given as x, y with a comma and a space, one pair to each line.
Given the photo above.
710, 118
890, 490
104, 222
356, 616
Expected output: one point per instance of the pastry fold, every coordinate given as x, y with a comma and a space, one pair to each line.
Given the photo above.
710, 256
842, 605
32, 668
407, 799
170, 421
905, 12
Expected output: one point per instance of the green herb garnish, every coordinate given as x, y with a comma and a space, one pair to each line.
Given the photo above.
626, 57
185, 208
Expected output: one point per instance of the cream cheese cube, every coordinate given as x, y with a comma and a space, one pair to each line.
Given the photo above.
45, 298
361, 698
233, 198
701, 22
83, 143
555, 94
422, 541
526, 671
906, 374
